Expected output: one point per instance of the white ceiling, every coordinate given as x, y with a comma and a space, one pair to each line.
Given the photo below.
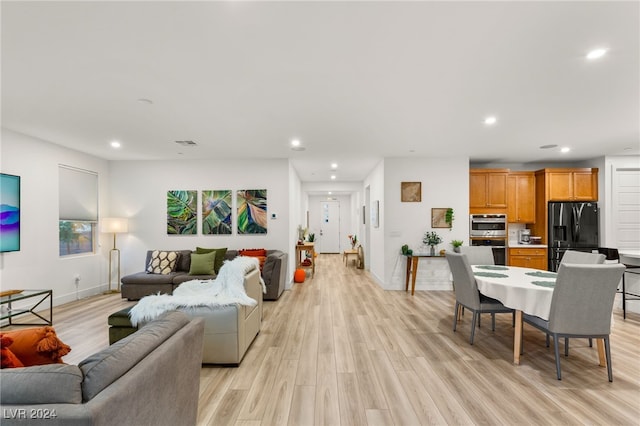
354, 81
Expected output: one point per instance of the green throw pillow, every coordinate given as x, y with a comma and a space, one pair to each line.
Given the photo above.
202, 264
220, 255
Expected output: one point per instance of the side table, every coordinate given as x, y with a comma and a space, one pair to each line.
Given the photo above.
39, 296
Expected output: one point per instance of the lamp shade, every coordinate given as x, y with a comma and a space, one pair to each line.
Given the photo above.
114, 225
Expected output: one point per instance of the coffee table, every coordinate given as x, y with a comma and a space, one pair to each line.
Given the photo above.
38, 296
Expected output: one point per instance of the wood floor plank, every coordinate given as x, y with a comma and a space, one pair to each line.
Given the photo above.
362, 355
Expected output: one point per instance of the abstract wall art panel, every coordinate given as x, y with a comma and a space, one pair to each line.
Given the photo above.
252, 211
9, 213
216, 212
182, 212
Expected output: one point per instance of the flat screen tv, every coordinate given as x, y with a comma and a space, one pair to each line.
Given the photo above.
9, 213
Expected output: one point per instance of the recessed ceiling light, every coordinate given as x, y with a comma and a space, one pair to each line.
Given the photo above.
296, 145
548, 146
596, 53
565, 149
330, 192
334, 165
145, 101
333, 177
491, 120
115, 144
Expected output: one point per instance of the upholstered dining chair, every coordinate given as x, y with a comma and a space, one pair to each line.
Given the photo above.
478, 255
582, 258
467, 294
581, 306
579, 258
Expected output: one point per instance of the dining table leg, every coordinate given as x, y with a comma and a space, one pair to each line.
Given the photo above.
517, 337
601, 354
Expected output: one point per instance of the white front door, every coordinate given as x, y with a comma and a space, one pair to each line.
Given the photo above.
329, 241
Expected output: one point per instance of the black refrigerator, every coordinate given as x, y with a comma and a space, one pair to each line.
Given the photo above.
572, 226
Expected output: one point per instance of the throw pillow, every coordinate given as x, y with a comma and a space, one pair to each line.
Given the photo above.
203, 264
37, 346
162, 262
220, 255
7, 358
261, 254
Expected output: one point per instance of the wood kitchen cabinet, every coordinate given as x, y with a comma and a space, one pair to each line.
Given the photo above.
521, 197
572, 184
528, 257
488, 189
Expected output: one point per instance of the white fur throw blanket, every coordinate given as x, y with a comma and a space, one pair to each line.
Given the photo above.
226, 289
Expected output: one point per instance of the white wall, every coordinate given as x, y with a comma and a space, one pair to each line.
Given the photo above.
139, 192
445, 183
37, 265
375, 244
296, 217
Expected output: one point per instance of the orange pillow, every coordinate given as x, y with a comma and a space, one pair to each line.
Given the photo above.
7, 358
261, 254
37, 346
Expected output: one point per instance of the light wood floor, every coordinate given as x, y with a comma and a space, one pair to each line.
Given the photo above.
338, 350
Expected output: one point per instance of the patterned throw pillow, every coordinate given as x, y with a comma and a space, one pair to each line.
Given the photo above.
162, 262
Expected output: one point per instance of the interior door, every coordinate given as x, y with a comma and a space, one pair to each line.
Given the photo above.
329, 241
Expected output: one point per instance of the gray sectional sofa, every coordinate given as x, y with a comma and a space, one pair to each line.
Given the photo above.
140, 284
151, 377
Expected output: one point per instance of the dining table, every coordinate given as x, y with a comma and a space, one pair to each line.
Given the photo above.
526, 290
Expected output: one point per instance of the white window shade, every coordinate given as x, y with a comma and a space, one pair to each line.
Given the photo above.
78, 194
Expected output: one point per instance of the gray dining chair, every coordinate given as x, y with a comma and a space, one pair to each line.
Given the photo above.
478, 255
467, 294
582, 258
581, 306
579, 258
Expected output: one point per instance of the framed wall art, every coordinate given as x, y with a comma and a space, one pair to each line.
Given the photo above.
411, 192
439, 218
182, 212
252, 211
216, 212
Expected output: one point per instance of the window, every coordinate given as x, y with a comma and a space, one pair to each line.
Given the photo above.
78, 210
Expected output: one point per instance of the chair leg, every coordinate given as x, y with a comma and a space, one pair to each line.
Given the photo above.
479, 320
455, 316
513, 319
547, 339
607, 352
476, 315
493, 321
556, 351
566, 346
590, 342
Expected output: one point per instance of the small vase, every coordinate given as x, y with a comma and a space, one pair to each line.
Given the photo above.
432, 250
456, 249
353, 246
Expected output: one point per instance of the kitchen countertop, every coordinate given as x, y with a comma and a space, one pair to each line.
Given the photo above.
515, 244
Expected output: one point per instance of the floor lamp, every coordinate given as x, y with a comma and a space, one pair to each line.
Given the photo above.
114, 225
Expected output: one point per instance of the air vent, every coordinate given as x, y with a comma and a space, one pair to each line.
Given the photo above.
187, 143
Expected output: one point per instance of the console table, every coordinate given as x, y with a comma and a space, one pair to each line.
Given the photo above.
412, 268
301, 249
38, 297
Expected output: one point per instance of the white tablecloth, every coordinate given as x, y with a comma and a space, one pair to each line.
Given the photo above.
516, 290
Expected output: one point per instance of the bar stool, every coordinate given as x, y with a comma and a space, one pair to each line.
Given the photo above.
612, 254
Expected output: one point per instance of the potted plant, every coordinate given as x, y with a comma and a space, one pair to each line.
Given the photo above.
431, 239
456, 245
311, 237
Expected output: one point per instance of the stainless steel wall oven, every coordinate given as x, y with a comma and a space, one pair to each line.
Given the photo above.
490, 230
